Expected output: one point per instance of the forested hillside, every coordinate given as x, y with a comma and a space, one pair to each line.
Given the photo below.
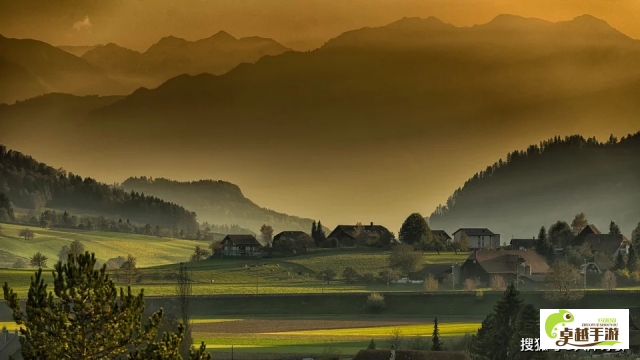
34, 185
548, 182
218, 202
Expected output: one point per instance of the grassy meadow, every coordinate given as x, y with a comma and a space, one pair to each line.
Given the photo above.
149, 250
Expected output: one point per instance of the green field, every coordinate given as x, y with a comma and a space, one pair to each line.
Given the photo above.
257, 335
158, 258
149, 250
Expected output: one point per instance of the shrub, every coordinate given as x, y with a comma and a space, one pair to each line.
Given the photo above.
349, 274
430, 283
479, 295
368, 277
497, 283
375, 302
609, 281
635, 276
469, 285
20, 264
623, 277
372, 345
404, 258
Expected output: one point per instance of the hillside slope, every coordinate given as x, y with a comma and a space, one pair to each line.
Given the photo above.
549, 182
218, 202
33, 185
149, 250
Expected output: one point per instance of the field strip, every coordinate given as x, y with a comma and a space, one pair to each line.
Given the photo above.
446, 330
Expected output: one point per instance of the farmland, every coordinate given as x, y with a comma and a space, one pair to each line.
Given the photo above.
149, 250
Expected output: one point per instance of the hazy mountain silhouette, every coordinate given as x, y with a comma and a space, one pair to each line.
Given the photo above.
77, 50
172, 56
37, 68
367, 77
217, 202
549, 182
386, 102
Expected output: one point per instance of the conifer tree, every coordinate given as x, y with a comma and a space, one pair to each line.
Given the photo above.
372, 345
314, 231
86, 320
320, 232
614, 229
436, 343
632, 264
635, 235
620, 263
527, 326
494, 337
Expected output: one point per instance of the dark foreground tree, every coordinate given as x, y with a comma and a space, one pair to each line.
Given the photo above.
527, 326
496, 333
436, 343
86, 320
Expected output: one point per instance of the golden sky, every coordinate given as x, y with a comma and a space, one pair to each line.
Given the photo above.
300, 24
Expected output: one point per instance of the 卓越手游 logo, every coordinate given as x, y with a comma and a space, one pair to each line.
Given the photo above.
572, 329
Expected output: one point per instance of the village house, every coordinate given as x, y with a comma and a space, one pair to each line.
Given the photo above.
347, 234
293, 235
439, 272
608, 244
588, 230
441, 234
10, 345
240, 245
525, 265
523, 244
478, 238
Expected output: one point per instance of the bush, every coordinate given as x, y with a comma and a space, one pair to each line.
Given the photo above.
430, 283
404, 258
368, 277
375, 303
469, 285
372, 345
623, 277
20, 264
349, 274
609, 281
635, 276
479, 295
497, 283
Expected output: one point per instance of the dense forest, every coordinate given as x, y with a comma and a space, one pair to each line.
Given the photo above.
31, 184
547, 182
218, 202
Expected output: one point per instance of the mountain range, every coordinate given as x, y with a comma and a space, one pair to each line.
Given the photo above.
373, 117
31, 68
172, 56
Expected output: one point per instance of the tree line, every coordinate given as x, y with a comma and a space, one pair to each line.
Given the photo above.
33, 185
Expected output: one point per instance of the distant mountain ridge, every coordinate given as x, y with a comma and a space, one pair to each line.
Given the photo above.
31, 68
217, 202
172, 56
548, 182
